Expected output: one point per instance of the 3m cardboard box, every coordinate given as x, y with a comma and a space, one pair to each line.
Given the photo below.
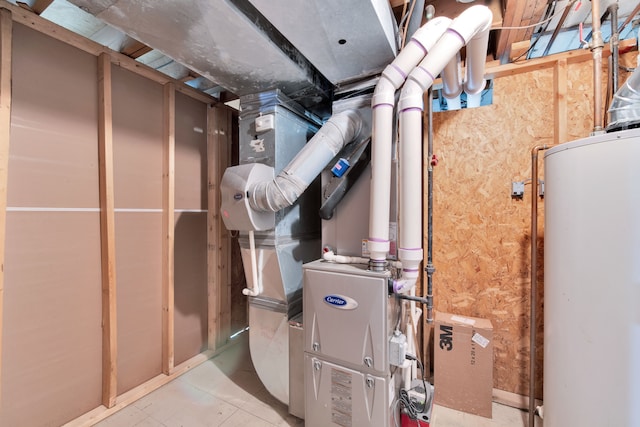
463, 372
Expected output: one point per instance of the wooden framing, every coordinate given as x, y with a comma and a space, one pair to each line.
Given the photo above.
40, 6
218, 241
168, 226
57, 32
560, 110
126, 399
107, 233
6, 25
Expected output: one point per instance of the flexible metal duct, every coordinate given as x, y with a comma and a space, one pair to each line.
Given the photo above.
624, 112
284, 189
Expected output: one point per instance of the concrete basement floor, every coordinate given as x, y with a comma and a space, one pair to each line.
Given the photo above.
225, 391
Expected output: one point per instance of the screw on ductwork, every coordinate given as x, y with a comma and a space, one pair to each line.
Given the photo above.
368, 361
317, 365
370, 382
316, 346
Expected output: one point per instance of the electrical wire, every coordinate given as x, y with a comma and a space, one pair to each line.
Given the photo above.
550, 10
411, 409
408, 20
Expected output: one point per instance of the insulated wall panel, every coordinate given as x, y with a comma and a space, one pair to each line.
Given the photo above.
191, 153
137, 141
52, 344
54, 148
137, 155
191, 320
52, 357
139, 302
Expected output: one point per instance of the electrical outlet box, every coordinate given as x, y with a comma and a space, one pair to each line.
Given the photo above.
517, 189
265, 123
397, 349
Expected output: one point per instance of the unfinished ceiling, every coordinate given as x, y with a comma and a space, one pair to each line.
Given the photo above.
229, 48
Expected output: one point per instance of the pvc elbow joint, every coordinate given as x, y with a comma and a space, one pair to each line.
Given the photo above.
472, 22
402, 286
412, 94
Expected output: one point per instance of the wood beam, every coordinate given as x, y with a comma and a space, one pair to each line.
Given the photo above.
40, 6
572, 57
218, 241
107, 233
560, 103
397, 3
135, 49
168, 226
514, 12
57, 32
100, 413
6, 25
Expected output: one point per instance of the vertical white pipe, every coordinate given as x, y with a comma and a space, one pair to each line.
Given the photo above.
451, 82
383, 102
254, 290
477, 56
470, 25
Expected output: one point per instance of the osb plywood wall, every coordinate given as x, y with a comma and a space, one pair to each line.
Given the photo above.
482, 235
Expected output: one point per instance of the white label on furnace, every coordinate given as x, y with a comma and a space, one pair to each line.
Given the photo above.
464, 320
480, 340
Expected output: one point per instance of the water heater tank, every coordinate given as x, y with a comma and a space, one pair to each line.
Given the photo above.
592, 282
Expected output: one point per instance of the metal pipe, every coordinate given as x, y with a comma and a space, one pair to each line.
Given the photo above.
632, 15
429, 267
565, 13
614, 42
534, 281
596, 48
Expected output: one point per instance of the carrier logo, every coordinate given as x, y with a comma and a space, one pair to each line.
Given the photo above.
341, 302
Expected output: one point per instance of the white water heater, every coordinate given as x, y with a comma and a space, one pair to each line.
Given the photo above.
592, 282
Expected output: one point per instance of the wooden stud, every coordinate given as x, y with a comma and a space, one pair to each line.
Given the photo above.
40, 6
100, 413
6, 25
168, 226
135, 49
515, 10
107, 233
218, 241
397, 3
560, 110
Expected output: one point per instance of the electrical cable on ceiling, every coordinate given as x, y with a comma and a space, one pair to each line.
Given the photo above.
550, 11
544, 21
408, 20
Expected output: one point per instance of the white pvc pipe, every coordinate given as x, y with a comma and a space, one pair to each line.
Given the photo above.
343, 259
476, 51
255, 288
382, 105
451, 81
470, 25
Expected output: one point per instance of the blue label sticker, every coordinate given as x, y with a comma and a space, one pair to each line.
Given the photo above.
341, 302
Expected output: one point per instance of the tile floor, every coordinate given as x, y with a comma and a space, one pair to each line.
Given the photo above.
226, 392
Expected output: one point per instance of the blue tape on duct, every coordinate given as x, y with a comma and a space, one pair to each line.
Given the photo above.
340, 168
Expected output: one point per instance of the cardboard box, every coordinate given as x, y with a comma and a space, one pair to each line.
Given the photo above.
463, 372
